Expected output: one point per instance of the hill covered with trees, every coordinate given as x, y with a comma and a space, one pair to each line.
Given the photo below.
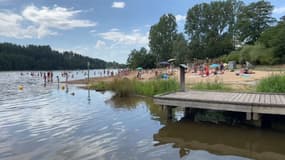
221, 30
34, 57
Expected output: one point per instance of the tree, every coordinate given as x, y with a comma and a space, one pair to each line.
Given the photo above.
254, 19
33, 57
275, 38
211, 27
181, 50
161, 37
141, 58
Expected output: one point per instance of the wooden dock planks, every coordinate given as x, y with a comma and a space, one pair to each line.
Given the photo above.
260, 102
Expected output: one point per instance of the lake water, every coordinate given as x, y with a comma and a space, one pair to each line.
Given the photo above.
50, 123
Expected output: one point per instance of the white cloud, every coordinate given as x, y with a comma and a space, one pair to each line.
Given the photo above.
10, 26
136, 30
126, 39
92, 31
118, 5
180, 18
57, 18
40, 22
114, 29
100, 44
279, 10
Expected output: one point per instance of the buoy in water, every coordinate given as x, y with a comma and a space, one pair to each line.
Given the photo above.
20, 87
62, 87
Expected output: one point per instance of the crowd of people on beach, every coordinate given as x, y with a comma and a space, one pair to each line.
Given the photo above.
205, 70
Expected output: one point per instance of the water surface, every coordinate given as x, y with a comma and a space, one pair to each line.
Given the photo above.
68, 123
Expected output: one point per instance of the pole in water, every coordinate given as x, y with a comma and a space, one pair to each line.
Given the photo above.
88, 64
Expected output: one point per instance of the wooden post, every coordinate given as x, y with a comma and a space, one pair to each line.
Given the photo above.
187, 112
169, 112
248, 116
183, 67
88, 64
255, 116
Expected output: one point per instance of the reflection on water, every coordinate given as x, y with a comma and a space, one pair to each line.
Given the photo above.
62, 122
222, 140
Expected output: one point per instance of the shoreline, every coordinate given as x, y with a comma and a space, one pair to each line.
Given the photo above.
147, 75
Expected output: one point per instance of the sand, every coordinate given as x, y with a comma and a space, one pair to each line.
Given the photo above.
228, 78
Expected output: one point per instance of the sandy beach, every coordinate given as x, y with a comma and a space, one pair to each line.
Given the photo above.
228, 78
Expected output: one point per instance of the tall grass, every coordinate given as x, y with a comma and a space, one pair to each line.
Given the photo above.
274, 84
150, 88
217, 86
126, 87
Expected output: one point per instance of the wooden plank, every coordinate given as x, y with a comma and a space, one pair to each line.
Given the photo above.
233, 97
262, 99
273, 99
282, 99
205, 105
252, 97
267, 99
247, 98
278, 99
237, 98
257, 98
242, 98
220, 97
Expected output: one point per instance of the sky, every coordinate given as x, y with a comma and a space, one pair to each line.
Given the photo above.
104, 29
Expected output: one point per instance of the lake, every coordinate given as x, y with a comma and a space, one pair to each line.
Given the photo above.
60, 122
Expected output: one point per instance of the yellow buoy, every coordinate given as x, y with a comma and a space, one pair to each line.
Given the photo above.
20, 87
62, 87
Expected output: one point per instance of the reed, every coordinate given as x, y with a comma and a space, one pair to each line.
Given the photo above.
274, 84
126, 87
217, 86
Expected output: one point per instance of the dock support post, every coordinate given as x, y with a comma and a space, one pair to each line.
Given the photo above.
187, 112
255, 116
169, 112
183, 67
248, 116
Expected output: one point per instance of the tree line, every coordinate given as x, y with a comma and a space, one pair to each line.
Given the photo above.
220, 30
37, 57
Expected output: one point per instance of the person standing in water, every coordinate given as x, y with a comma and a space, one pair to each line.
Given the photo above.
51, 76
45, 78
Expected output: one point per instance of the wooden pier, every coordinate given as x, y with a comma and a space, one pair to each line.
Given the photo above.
253, 104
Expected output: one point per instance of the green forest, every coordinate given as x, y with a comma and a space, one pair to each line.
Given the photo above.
34, 57
220, 31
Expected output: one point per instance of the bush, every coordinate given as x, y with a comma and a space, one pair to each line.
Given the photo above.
274, 84
233, 56
255, 54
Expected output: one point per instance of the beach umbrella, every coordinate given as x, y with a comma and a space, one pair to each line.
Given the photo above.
214, 65
171, 60
139, 68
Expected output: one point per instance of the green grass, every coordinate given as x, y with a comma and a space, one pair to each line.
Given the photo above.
274, 84
153, 87
100, 86
126, 87
216, 86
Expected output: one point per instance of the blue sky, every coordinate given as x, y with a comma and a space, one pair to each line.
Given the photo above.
103, 29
